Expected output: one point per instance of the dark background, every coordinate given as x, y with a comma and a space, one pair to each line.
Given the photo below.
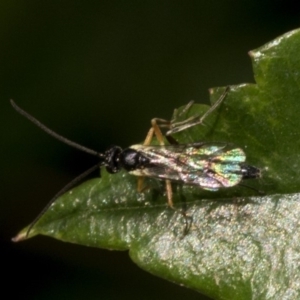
97, 72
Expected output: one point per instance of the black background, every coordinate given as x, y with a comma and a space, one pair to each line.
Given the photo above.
97, 72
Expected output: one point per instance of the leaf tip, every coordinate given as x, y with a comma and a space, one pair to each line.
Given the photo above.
21, 236
17, 238
251, 54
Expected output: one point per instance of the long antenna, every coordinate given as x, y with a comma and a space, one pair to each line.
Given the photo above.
53, 133
65, 141
62, 191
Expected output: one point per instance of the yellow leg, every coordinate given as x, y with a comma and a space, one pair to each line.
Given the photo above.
155, 130
169, 193
140, 184
149, 137
195, 120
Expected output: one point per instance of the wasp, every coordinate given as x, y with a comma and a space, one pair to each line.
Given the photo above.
207, 165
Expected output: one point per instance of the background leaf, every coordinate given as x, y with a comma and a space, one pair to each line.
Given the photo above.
240, 247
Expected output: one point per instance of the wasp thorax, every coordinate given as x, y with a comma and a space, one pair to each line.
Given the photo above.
132, 159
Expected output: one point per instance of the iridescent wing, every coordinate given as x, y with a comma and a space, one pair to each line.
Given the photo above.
207, 165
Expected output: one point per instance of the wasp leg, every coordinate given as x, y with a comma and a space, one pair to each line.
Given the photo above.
177, 115
157, 124
160, 137
155, 130
194, 120
140, 185
169, 193
149, 137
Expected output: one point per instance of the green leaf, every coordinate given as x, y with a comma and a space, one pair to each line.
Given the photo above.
239, 245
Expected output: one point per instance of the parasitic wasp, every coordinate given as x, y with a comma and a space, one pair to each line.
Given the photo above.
208, 165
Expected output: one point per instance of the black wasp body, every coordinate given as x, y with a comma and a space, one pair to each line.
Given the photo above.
208, 165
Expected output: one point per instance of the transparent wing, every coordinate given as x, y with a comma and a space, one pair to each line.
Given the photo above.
208, 165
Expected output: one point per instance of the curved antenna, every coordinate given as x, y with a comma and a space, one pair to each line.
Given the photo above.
53, 133
62, 191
